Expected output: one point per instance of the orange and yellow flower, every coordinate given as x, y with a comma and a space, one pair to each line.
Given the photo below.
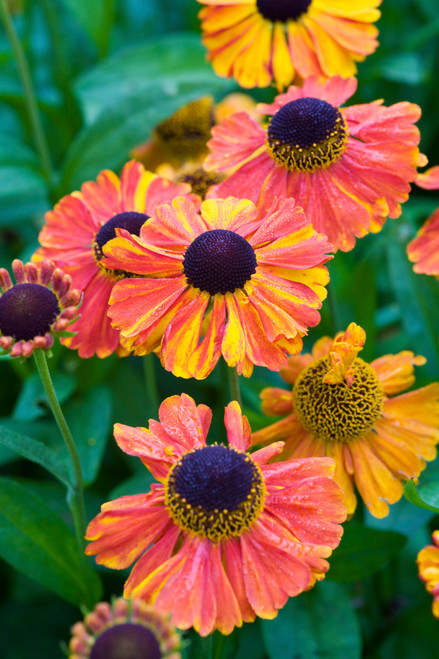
349, 168
40, 305
223, 536
124, 629
220, 282
342, 407
258, 41
423, 250
428, 566
78, 228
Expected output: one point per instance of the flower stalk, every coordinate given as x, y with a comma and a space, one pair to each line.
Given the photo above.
75, 492
29, 92
235, 392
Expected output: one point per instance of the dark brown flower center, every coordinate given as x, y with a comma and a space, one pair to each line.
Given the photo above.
215, 492
282, 10
306, 134
126, 641
131, 221
27, 311
219, 261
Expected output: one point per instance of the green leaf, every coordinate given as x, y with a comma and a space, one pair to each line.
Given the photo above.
125, 97
36, 541
96, 18
408, 68
165, 65
89, 420
32, 402
428, 488
427, 494
363, 551
137, 484
36, 452
23, 191
309, 626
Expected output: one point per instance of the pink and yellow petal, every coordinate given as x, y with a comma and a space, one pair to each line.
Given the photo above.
424, 249
182, 586
102, 198
271, 572
285, 429
356, 38
182, 336
174, 227
69, 225
276, 401
137, 305
134, 183
237, 426
77, 262
161, 191
125, 528
230, 214
302, 52
263, 455
234, 569
258, 347
333, 58
203, 359
233, 141
429, 180
153, 558
184, 421
130, 254
233, 344
94, 332
311, 510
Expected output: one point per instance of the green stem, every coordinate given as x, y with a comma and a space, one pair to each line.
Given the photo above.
150, 381
235, 393
333, 308
60, 62
29, 93
75, 493
205, 647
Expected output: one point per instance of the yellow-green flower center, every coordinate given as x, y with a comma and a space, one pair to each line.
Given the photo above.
282, 10
201, 180
338, 412
185, 134
215, 492
307, 134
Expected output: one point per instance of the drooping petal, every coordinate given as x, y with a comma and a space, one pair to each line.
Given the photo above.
125, 527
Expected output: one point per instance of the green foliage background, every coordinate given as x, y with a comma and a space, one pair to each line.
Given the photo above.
105, 73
